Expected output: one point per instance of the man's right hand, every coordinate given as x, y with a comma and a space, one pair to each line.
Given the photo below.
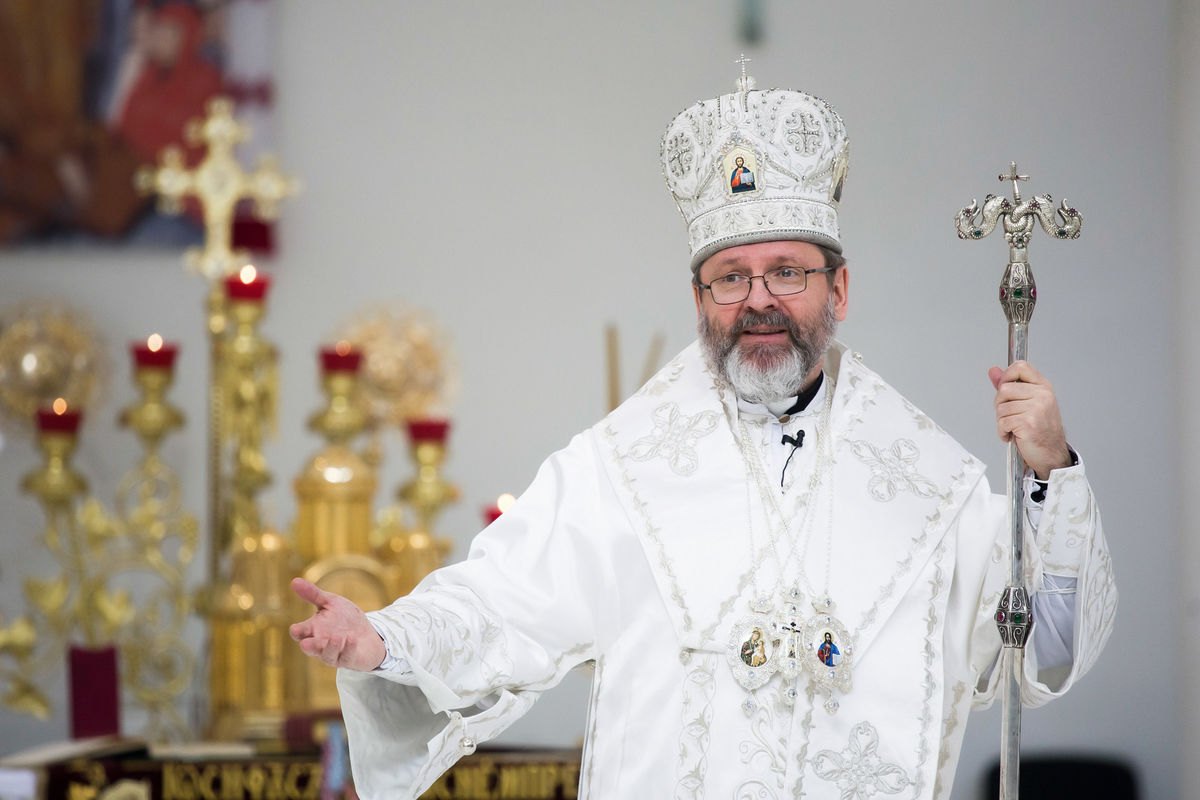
338, 633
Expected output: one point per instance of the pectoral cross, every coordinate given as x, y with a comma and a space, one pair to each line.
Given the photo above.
218, 182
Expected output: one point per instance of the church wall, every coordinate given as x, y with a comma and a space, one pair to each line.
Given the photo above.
1186, 195
496, 164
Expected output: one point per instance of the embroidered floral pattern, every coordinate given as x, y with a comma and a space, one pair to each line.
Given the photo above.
933, 656
858, 770
893, 470
662, 382
766, 751
699, 686
679, 155
589, 743
949, 727
674, 438
803, 133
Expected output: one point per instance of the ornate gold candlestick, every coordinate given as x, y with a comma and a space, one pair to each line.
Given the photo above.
56, 483
159, 540
334, 494
336, 486
248, 392
428, 492
413, 552
77, 603
28, 657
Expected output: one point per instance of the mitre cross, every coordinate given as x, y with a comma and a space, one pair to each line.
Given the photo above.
218, 182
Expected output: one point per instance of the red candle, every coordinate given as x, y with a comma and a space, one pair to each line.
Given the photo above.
247, 284
340, 358
58, 418
428, 430
154, 352
492, 513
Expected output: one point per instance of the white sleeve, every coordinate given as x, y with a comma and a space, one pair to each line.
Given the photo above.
1069, 549
529, 603
1054, 602
397, 666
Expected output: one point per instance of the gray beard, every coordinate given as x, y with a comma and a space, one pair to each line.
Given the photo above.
762, 373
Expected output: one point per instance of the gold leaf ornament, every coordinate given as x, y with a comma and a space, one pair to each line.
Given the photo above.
115, 609
26, 698
18, 639
48, 596
97, 524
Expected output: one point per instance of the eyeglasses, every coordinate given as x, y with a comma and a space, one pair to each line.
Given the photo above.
734, 287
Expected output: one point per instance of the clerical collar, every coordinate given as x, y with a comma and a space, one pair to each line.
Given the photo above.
788, 405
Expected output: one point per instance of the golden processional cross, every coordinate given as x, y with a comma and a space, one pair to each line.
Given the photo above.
218, 182
241, 362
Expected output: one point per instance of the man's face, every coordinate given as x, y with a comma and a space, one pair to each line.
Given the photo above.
769, 347
738, 161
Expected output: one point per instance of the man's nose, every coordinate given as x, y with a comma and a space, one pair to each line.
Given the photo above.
759, 297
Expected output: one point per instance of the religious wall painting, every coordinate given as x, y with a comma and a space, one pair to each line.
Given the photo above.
741, 167
92, 91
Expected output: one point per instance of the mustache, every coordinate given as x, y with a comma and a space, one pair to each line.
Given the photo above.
772, 319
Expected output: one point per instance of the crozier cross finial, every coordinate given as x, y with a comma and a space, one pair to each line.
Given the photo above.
1014, 177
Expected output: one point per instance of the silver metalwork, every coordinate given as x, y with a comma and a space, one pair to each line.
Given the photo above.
745, 83
1018, 296
1014, 616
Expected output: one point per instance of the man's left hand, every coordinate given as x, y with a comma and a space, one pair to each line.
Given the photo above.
1027, 413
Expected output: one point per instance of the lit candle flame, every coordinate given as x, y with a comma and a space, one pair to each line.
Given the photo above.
342, 348
248, 274
154, 343
59, 406
504, 502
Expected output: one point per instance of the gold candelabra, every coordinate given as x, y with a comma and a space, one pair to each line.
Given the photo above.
122, 580
239, 405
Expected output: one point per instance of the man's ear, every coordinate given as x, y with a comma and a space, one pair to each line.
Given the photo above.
841, 291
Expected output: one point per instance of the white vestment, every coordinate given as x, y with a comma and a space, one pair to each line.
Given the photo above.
639, 546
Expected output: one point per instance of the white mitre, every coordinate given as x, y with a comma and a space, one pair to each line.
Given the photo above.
757, 165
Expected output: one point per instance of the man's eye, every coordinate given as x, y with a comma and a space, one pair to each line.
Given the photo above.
732, 279
788, 273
